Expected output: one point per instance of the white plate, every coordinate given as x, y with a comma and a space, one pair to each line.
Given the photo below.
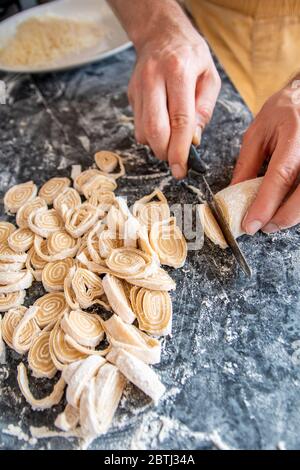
114, 38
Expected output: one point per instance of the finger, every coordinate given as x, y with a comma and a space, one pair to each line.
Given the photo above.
207, 91
287, 215
181, 105
135, 99
252, 155
280, 177
155, 120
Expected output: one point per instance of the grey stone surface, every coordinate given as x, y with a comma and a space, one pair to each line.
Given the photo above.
228, 368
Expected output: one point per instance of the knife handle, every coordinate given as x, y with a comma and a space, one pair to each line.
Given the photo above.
195, 162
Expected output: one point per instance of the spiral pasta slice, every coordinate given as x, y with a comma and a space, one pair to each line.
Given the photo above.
52, 306
169, 243
35, 264
39, 358
130, 338
98, 182
128, 263
108, 162
21, 240
87, 288
9, 323
25, 331
44, 222
19, 195
160, 280
116, 294
27, 209
11, 300
43, 403
68, 199
7, 255
52, 188
102, 199
79, 220
83, 178
61, 352
54, 274
6, 229
151, 208
85, 328
153, 310
137, 372
16, 281
59, 245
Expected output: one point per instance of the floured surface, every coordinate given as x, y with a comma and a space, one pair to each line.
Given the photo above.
228, 368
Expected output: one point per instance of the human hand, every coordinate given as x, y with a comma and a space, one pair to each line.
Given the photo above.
275, 133
173, 91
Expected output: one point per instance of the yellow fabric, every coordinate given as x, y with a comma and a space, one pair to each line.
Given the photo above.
256, 41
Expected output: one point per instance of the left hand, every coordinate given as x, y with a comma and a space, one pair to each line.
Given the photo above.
275, 133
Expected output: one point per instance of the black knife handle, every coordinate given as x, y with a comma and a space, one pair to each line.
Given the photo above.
195, 162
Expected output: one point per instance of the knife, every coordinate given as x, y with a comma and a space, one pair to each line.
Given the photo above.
195, 163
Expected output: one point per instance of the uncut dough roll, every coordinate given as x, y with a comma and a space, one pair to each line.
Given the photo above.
234, 202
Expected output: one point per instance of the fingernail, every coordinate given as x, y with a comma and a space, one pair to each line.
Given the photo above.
271, 228
253, 227
178, 171
197, 136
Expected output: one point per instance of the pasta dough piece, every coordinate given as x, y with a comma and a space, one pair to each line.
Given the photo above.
35, 264
160, 280
21, 240
169, 243
152, 208
100, 399
85, 328
137, 372
54, 274
11, 300
153, 310
25, 331
27, 209
68, 419
234, 201
129, 337
10, 320
80, 219
19, 195
87, 369
108, 162
61, 352
52, 188
128, 263
52, 306
43, 222
115, 292
7, 255
22, 280
6, 229
39, 358
43, 403
68, 199
2, 345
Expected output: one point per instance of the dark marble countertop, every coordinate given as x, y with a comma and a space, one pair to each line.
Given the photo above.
230, 368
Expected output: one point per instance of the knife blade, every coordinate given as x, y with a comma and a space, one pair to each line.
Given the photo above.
195, 163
